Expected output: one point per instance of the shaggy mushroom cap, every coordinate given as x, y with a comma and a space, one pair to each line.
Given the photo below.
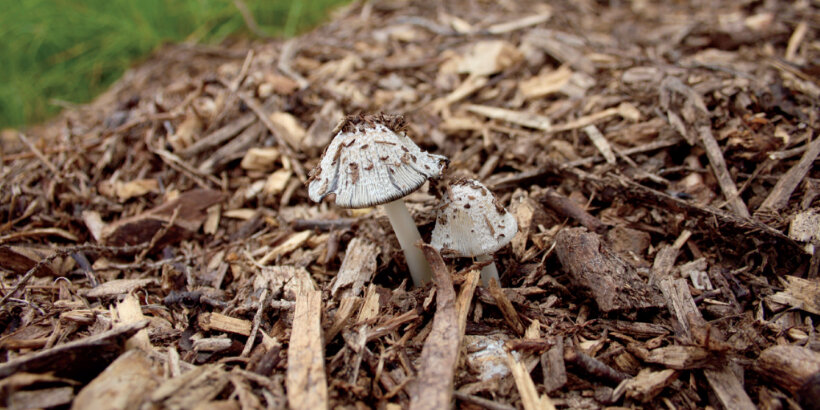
471, 222
371, 162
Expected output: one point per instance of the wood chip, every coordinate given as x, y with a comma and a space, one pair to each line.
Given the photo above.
358, 267
221, 323
118, 287
433, 388
614, 284
125, 384
789, 366
79, 358
799, 293
526, 388
306, 384
129, 311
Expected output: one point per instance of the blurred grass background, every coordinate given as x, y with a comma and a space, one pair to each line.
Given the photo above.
69, 51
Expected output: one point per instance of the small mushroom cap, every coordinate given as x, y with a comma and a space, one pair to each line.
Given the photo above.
370, 162
471, 222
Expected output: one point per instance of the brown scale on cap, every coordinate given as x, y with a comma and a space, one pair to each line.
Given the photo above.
354, 172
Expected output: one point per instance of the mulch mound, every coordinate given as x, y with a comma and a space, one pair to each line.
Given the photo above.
158, 247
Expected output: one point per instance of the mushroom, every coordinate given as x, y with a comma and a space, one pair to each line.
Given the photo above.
370, 162
471, 223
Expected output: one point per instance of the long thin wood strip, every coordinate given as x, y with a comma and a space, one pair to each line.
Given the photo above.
718, 163
433, 388
726, 384
526, 387
465, 296
779, 196
306, 382
347, 306
37, 153
507, 310
219, 136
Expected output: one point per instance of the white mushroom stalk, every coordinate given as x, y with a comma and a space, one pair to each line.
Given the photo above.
471, 223
372, 162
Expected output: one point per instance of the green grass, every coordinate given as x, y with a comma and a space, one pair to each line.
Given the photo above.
71, 50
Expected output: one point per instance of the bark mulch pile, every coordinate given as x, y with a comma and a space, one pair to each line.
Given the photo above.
158, 247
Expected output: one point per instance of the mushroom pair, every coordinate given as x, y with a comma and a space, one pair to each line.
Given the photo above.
372, 162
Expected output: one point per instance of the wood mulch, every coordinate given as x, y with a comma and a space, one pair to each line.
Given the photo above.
158, 247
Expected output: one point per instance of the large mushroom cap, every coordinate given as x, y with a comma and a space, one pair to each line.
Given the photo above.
370, 162
471, 222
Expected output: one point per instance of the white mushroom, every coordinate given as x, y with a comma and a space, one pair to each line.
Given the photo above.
372, 162
471, 223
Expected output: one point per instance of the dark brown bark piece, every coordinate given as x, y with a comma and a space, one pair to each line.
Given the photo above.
81, 359
613, 283
192, 205
568, 208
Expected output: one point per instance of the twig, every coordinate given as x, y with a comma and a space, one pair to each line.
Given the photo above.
480, 401
567, 207
594, 366
257, 318
38, 154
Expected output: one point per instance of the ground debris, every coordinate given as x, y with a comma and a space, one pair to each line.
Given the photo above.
658, 158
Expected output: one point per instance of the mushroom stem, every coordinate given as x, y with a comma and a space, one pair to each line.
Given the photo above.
488, 272
408, 235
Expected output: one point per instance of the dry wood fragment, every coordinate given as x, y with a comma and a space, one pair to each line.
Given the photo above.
232, 150
306, 384
552, 365
526, 119
293, 242
480, 401
79, 359
19, 259
199, 385
219, 136
600, 142
221, 323
786, 184
799, 293
283, 144
433, 388
347, 306
125, 384
614, 284
674, 356
593, 366
569, 208
41, 398
506, 307
526, 388
370, 307
193, 210
689, 326
646, 385
727, 184
463, 302
789, 366
129, 311
117, 287
260, 159
624, 110
358, 267
726, 220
